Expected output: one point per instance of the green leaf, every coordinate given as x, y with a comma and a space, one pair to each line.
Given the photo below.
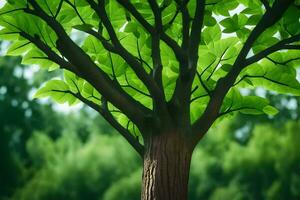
7, 34
291, 21
253, 19
19, 48
247, 80
90, 93
234, 23
37, 57
166, 3
58, 90
83, 27
270, 110
212, 34
243, 34
209, 20
279, 78
74, 82
226, 67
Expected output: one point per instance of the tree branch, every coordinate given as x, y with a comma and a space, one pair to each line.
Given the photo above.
198, 97
124, 132
58, 8
195, 36
106, 114
163, 36
223, 85
137, 67
203, 84
234, 110
169, 24
155, 50
90, 71
283, 44
263, 77
283, 63
75, 9
51, 55
182, 7
219, 61
140, 58
10, 11
188, 64
266, 4
134, 88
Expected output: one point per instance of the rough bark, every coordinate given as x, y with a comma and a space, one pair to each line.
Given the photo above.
166, 168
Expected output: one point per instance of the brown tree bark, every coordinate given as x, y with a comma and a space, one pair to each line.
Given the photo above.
167, 161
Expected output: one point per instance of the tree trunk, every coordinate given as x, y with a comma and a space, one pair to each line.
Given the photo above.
166, 168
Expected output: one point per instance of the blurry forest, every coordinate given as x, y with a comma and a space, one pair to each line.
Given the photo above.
51, 155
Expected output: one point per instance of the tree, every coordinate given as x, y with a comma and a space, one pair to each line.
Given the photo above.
160, 71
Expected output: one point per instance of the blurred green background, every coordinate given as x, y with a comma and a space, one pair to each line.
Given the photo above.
53, 153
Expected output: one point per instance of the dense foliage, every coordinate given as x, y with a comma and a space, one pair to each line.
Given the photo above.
121, 47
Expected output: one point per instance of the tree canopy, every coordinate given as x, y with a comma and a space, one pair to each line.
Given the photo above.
135, 61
